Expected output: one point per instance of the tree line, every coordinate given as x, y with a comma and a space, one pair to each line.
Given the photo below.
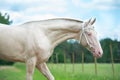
66, 49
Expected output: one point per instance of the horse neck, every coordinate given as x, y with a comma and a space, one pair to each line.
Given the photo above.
64, 32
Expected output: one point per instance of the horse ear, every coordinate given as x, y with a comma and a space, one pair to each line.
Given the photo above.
88, 22
93, 21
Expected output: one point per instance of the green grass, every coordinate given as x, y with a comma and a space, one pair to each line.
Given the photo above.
64, 72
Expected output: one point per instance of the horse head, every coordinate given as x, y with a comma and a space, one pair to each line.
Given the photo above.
88, 38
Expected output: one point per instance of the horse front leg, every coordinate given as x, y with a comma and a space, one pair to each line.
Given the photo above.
45, 71
30, 65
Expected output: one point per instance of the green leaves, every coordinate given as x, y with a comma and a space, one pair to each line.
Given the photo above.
5, 19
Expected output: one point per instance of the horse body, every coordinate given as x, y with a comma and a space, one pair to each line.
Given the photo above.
34, 42
19, 43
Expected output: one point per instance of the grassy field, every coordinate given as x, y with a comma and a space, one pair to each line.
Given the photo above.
63, 72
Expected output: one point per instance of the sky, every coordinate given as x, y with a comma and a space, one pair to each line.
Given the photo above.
106, 12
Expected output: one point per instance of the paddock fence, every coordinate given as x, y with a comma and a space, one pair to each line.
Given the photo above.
82, 57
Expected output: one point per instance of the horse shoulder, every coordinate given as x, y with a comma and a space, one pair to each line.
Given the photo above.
39, 44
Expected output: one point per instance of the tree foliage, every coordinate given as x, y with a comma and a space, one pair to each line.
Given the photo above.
106, 43
5, 19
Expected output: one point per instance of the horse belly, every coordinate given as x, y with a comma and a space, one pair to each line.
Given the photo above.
11, 57
12, 54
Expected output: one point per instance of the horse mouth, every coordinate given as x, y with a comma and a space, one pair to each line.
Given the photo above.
96, 53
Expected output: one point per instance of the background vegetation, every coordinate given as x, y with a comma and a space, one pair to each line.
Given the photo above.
5, 19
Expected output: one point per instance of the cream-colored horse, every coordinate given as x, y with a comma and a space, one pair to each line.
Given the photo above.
33, 42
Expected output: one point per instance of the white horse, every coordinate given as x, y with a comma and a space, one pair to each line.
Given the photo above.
33, 42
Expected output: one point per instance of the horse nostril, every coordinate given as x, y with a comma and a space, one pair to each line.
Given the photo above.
99, 53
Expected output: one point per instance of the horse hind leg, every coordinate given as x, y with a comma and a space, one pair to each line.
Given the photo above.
30, 65
45, 71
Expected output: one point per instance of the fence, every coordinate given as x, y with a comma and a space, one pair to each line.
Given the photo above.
82, 61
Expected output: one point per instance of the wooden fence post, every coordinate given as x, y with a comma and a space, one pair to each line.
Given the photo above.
65, 62
112, 59
56, 58
82, 61
95, 65
52, 62
73, 62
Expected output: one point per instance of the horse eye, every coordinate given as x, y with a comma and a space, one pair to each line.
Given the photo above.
89, 34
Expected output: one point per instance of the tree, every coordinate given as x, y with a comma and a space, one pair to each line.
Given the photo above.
105, 43
5, 19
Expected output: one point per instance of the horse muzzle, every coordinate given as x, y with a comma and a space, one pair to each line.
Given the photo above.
97, 53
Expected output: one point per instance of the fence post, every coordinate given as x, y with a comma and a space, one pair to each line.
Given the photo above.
56, 58
95, 65
112, 59
65, 62
73, 61
82, 61
52, 62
